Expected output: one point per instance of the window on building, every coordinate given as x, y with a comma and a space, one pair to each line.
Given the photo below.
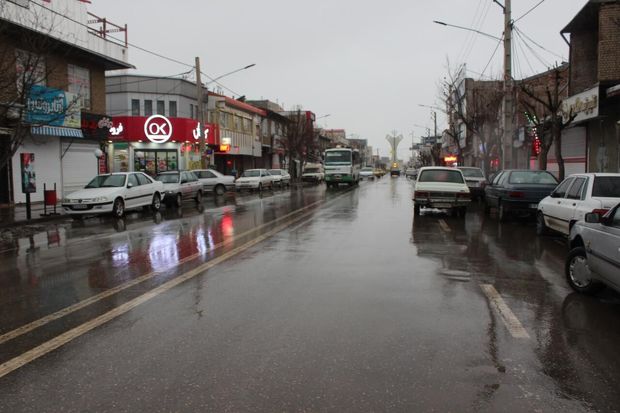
148, 107
135, 107
172, 109
224, 119
237, 126
30, 69
191, 111
161, 107
79, 83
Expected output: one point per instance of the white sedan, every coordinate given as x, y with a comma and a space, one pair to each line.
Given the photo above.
213, 181
442, 188
254, 179
575, 197
114, 193
280, 177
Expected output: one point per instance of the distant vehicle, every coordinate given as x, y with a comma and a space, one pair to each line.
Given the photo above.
379, 172
518, 192
475, 180
281, 177
251, 179
367, 172
395, 169
180, 186
313, 172
576, 196
214, 181
443, 188
342, 165
411, 173
594, 258
115, 193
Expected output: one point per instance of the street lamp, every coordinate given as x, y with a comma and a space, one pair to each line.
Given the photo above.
467, 28
230, 73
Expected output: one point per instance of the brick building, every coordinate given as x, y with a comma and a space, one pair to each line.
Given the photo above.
52, 94
594, 82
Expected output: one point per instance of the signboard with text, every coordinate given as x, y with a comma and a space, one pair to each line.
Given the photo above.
160, 129
583, 106
52, 107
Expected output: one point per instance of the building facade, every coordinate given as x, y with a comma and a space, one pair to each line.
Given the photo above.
594, 83
52, 100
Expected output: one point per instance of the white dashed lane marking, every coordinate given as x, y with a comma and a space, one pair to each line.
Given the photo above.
511, 321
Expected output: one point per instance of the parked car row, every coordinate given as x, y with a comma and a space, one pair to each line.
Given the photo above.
584, 207
119, 192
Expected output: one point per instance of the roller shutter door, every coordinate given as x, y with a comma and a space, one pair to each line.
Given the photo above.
79, 165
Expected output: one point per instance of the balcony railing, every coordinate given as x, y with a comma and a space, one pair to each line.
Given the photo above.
105, 27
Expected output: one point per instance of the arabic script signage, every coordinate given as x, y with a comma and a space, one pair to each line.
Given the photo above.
583, 106
52, 107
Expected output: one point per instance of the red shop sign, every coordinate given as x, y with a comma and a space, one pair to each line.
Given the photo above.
161, 129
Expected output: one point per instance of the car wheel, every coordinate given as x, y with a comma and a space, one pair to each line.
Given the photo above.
541, 227
178, 202
156, 204
219, 190
416, 210
578, 272
198, 197
118, 209
502, 214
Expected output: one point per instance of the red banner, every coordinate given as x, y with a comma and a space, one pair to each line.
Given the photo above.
160, 129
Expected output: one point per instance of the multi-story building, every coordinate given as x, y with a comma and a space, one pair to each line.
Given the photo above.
337, 136
240, 127
594, 82
156, 126
52, 95
273, 134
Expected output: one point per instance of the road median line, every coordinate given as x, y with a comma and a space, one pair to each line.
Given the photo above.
510, 320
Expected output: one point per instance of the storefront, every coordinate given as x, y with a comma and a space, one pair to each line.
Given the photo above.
158, 144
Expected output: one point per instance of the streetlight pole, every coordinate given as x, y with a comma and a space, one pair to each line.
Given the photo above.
200, 115
508, 102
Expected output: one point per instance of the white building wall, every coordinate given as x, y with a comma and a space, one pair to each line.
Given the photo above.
46, 167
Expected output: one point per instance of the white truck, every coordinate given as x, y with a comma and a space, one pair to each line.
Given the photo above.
313, 172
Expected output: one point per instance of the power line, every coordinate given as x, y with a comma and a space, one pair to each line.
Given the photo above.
530, 10
536, 55
520, 45
492, 56
534, 42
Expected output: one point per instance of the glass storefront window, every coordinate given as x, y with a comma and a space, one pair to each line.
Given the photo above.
156, 161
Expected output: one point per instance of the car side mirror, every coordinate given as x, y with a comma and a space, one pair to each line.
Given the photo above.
592, 218
129, 185
555, 195
183, 181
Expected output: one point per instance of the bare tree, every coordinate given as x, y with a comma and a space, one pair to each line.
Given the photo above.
473, 105
542, 98
27, 59
300, 142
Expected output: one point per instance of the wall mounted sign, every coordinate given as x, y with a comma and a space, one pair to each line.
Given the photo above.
52, 107
583, 106
160, 129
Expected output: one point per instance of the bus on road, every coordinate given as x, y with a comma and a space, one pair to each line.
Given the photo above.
342, 165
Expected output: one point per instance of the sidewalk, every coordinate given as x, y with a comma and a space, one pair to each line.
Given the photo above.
11, 216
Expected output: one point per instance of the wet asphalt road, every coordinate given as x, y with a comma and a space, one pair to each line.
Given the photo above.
305, 300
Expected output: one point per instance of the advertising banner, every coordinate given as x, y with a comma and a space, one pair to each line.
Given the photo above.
53, 107
29, 182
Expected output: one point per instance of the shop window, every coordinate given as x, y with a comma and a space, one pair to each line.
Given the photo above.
172, 109
237, 125
148, 107
79, 83
161, 107
191, 111
135, 107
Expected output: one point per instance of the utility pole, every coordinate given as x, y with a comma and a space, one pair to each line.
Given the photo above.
508, 104
200, 116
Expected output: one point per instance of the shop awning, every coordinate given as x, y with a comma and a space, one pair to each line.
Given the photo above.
57, 131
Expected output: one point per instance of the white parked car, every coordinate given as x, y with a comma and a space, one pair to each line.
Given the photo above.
442, 188
474, 177
251, 179
115, 193
281, 177
367, 172
313, 172
213, 181
575, 197
180, 186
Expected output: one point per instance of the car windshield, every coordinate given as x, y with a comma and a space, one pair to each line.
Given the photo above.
275, 172
532, 177
606, 186
472, 173
107, 181
252, 173
367, 169
441, 175
335, 157
312, 170
168, 178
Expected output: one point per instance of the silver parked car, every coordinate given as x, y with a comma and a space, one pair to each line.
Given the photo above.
594, 258
214, 181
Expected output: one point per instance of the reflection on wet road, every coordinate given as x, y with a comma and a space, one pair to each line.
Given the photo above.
308, 300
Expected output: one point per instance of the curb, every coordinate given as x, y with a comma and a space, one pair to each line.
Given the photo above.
33, 221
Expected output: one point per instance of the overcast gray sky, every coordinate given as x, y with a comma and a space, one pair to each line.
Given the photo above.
366, 63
